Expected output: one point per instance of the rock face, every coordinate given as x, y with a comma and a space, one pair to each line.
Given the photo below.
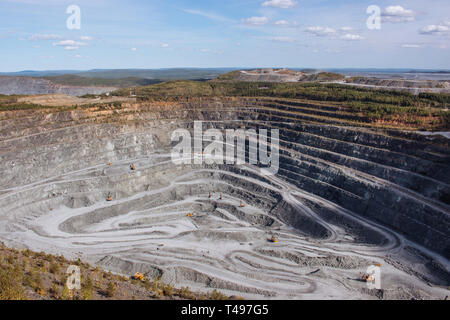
29, 85
343, 198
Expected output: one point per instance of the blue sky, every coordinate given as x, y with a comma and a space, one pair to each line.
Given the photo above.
228, 33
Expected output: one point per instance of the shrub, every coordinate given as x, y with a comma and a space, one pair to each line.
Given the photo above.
87, 291
54, 268
10, 285
66, 294
111, 289
168, 290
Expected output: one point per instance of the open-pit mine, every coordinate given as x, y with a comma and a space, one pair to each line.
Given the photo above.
98, 182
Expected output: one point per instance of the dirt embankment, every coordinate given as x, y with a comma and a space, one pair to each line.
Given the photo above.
68, 100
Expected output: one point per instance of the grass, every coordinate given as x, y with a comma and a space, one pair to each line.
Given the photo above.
28, 275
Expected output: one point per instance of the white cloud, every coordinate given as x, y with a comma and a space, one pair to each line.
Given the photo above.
284, 4
78, 56
321, 31
133, 49
211, 51
69, 44
256, 21
282, 23
282, 39
64, 43
352, 37
208, 15
346, 29
397, 14
165, 45
410, 46
44, 37
86, 38
436, 29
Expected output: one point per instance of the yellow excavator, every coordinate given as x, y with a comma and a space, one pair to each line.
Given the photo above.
242, 205
367, 277
109, 198
190, 215
132, 167
274, 239
138, 276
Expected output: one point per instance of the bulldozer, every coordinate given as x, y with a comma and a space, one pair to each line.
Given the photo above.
367, 277
109, 198
138, 276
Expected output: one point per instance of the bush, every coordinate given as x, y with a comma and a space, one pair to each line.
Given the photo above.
168, 290
66, 294
87, 291
54, 268
111, 290
10, 285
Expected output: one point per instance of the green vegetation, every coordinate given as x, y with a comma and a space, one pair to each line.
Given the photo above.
10, 103
10, 283
111, 289
381, 106
324, 76
229, 76
309, 91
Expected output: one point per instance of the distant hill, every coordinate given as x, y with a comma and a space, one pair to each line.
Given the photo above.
31, 85
74, 80
79, 83
155, 74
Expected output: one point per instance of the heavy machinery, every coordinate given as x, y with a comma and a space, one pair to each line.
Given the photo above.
138, 276
367, 277
242, 205
220, 198
109, 198
274, 239
132, 167
190, 215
